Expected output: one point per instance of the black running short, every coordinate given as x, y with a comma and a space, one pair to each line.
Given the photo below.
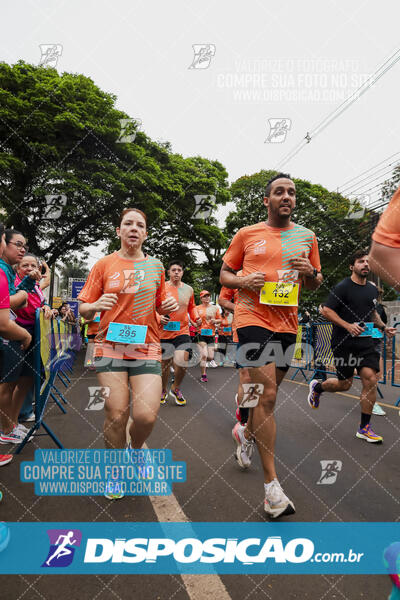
348, 358
168, 346
15, 362
208, 339
259, 346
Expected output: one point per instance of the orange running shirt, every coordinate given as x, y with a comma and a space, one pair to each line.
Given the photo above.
185, 297
232, 296
140, 286
387, 231
226, 322
206, 313
269, 250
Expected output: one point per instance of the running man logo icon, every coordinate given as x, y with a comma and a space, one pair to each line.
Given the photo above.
50, 54
330, 470
63, 543
128, 130
203, 53
288, 275
278, 129
97, 397
251, 394
357, 206
54, 205
204, 206
133, 280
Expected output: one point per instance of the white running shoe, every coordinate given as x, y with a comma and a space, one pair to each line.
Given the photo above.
22, 428
14, 437
244, 447
30, 418
276, 503
213, 364
378, 410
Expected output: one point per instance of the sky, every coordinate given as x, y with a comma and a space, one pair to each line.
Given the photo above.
288, 62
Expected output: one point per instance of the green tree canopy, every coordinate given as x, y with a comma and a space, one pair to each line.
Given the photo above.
61, 140
72, 268
62, 144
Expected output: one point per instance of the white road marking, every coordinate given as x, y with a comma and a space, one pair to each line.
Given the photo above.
168, 510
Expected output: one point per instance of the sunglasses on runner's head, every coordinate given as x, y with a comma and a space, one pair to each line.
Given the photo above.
20, 245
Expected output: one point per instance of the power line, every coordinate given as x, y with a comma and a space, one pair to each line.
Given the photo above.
382, 177
386, 66
344, 185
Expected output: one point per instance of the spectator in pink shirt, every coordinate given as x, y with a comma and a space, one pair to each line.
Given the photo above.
23, 394
10, 332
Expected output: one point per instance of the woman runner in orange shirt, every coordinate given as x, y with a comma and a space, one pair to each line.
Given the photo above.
128, 287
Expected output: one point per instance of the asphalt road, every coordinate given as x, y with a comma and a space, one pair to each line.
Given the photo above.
367, 487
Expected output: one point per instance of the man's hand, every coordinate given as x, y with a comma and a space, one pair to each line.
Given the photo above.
164, 319
105, 302
390, 331
169, 305
302, 265
198, 322
354, 329
253, 282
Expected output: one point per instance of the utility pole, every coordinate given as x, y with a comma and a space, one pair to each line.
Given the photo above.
52, 279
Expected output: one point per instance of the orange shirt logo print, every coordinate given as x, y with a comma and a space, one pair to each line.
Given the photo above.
260, 247
133, 280
114, 280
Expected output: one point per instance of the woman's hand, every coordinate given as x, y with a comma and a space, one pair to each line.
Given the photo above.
35, 274
48, 313
105, 302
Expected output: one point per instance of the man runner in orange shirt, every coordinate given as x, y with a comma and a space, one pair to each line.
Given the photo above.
276, 257
174, 333
384, 257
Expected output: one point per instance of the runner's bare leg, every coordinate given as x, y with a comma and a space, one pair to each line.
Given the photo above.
116, 408
146, 392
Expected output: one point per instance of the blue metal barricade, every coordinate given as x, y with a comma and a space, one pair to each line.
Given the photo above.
56, 345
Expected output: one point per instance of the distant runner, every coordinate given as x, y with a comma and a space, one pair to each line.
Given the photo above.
174, 333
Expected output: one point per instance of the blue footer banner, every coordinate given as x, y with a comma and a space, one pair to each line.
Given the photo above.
157, 548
